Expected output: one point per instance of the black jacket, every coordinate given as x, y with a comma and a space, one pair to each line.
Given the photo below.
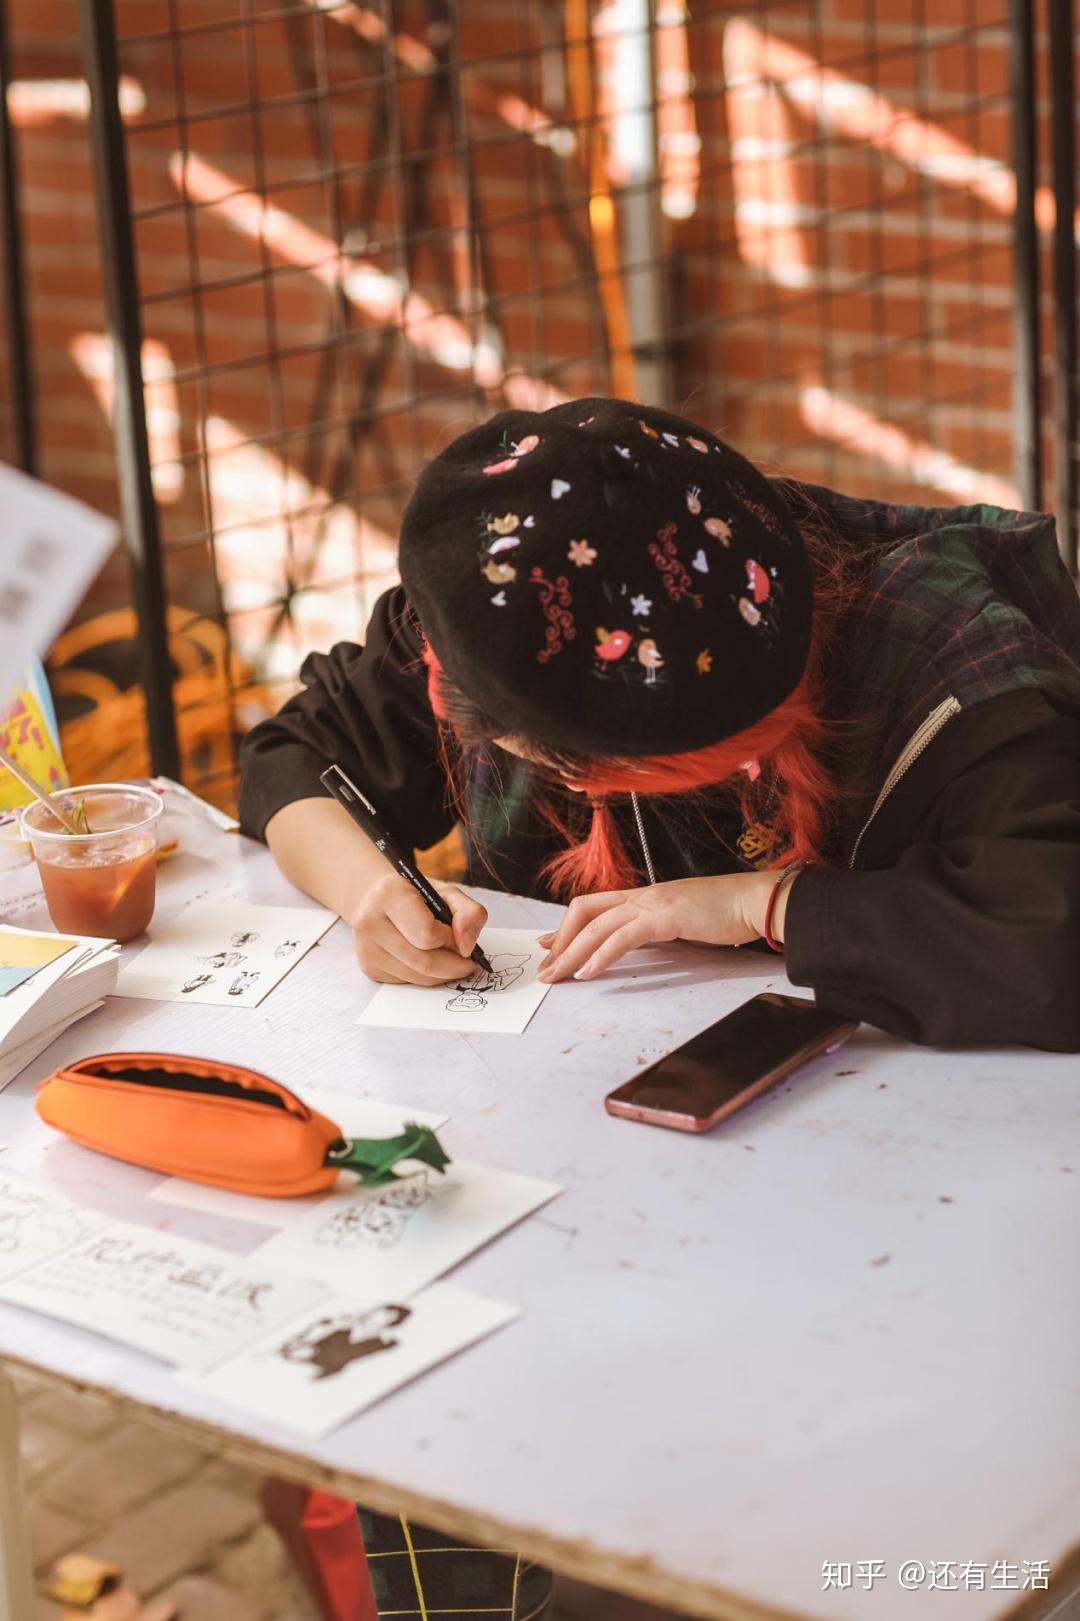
948, 914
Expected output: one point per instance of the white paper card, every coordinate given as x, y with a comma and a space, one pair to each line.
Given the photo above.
52, 548
36, 1222
501, 1002
188, 1303
321, 1369
357, 1117
379, 1242
227, 953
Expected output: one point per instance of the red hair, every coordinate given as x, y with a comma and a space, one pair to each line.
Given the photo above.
789, 741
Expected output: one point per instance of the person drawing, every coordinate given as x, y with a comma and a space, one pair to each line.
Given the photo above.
878, 703
702, 703
331, 1344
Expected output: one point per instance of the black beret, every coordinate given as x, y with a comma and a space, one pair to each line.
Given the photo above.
606, 578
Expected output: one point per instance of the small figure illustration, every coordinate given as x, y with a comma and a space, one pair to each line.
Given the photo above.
473, 991
244, 937
222, 959
196, 983
286, 948
244, 980
331, 1343
43, 1224
377, 1220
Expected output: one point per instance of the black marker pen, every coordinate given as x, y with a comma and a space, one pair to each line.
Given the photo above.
367, 818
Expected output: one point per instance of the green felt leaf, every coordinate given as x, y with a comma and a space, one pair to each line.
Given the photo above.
373, 1158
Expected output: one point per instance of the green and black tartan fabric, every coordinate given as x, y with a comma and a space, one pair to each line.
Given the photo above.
966, 602
420, 1573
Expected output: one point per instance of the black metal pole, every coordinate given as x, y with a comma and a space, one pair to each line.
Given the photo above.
1026, 390
138, 509
24, 438
1063, 147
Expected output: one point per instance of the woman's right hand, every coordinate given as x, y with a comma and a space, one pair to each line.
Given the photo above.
397, 940
320, 849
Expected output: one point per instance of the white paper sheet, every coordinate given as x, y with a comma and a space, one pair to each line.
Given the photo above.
322, 1368
53, 547
378, 1242
36, 1221
188, 1303
227, 953
357, 1117
501, 1003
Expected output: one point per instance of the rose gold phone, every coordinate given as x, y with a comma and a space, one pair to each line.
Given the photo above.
733, 1061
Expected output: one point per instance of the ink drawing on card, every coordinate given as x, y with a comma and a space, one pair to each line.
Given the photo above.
500, 1001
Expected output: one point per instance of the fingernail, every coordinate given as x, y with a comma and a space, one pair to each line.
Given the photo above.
545, 939
586, 972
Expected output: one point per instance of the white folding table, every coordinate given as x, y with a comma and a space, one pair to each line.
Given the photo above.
844, 1328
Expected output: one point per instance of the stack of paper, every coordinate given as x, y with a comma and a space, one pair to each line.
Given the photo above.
47, 981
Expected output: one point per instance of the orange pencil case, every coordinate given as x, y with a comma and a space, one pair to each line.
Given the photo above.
216, 1123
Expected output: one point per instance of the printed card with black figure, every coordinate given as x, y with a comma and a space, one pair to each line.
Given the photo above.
344, 1355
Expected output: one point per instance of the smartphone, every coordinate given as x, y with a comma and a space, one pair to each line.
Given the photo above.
733, 1061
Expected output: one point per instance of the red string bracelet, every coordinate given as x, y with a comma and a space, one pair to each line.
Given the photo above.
770, 904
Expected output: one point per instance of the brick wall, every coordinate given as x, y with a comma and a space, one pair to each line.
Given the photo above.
832, 215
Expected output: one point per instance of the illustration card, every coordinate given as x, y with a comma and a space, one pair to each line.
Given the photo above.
227, 953
53, 547
36, 1222
381, 1242
501, 1002
321, 1369
357, 1117
188, 1303
22, 955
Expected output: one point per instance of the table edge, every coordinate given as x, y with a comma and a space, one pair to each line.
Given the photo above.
640, 1578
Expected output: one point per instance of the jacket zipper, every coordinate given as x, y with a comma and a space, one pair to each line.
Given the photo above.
915, 745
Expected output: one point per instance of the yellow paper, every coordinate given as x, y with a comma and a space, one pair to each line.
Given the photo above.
28, 735
23, 955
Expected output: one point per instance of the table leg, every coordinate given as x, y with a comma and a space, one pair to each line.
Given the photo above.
16, 1570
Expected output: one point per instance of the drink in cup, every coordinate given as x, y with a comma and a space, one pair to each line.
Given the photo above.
98, 882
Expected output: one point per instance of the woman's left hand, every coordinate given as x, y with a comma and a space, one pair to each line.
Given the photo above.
599, 929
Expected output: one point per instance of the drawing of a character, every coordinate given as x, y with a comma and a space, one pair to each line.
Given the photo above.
243, 937
331, 1343
45, 1224
222, 959
286, 948
378, 1220
196, 983
244, 980
475, 989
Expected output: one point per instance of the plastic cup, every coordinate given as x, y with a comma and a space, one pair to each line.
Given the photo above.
101, 882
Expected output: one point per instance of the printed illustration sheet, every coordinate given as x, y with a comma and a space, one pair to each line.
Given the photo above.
188, 1303
501, 1002
320, 1369
393, 1240
36, 1222
357, 1117
53, 547
227, 953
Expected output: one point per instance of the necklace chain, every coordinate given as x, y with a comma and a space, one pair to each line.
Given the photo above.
646, 852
